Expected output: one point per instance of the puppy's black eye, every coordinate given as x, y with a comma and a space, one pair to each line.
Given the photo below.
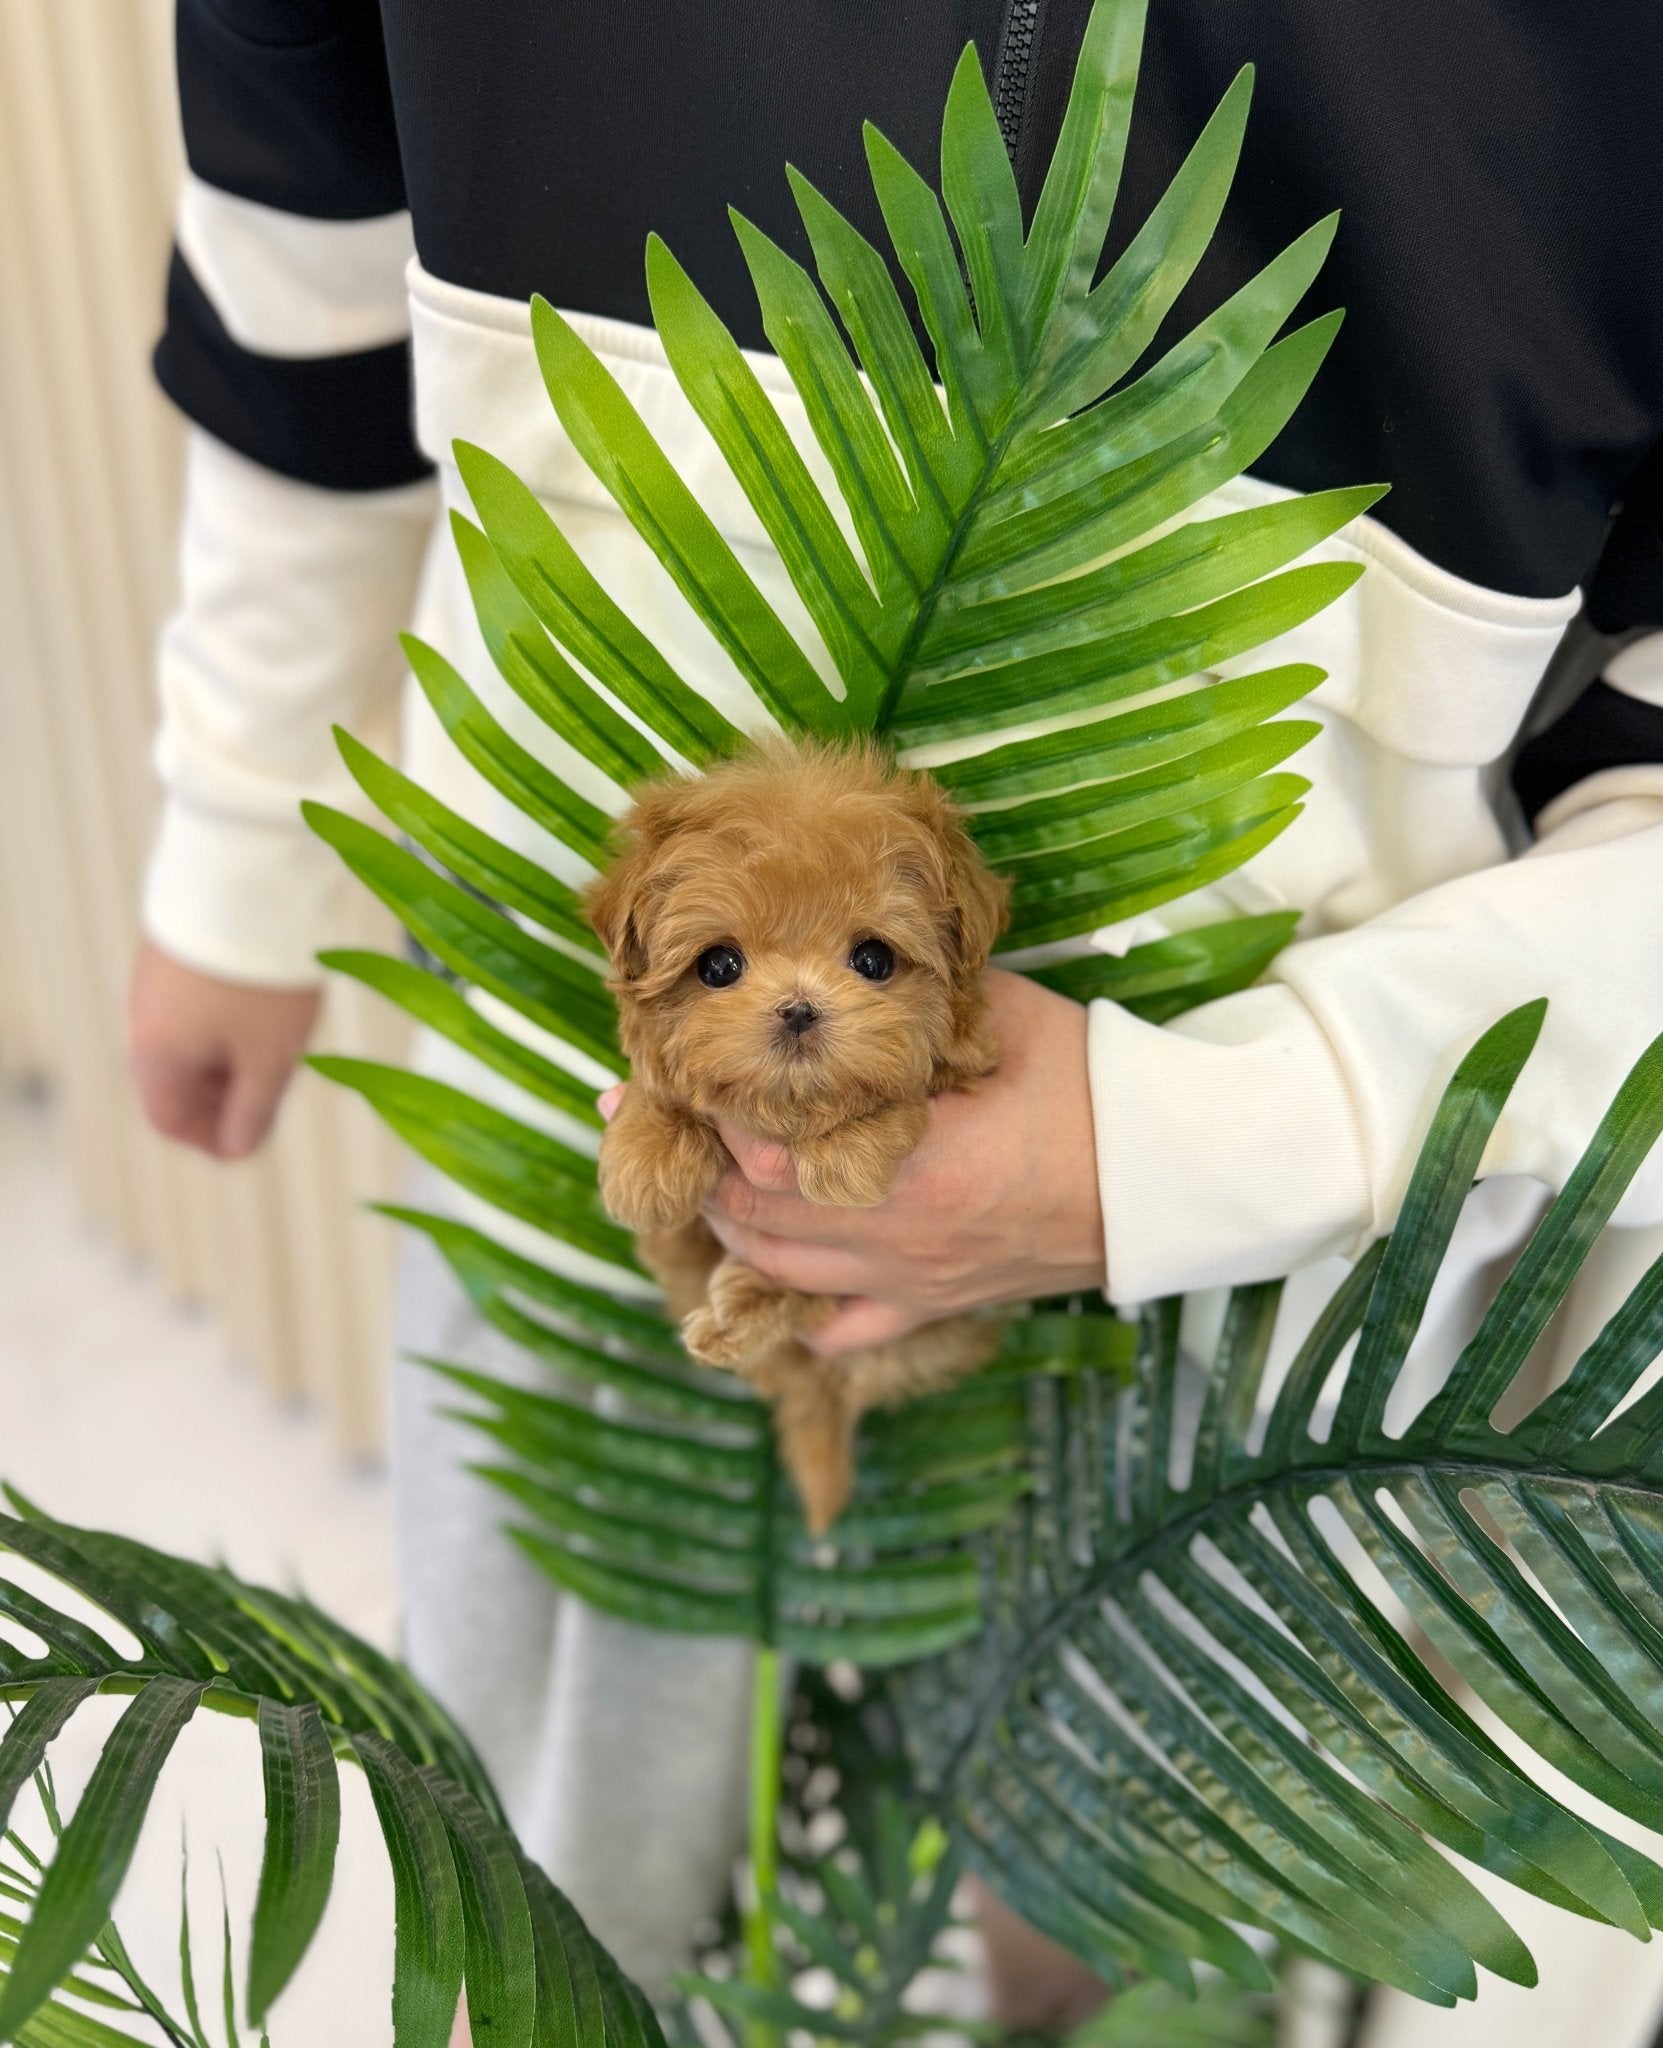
873, 960
721, 966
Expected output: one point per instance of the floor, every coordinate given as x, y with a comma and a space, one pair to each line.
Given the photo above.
121, 1412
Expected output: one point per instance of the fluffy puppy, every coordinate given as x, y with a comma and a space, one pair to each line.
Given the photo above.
797, 941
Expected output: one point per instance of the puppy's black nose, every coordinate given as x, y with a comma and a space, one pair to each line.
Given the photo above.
798, 1016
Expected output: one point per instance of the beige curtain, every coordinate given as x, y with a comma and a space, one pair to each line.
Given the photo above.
89, 477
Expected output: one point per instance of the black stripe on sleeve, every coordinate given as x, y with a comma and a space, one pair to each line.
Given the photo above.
1626, 588
287, 102
1602, 729
343, 422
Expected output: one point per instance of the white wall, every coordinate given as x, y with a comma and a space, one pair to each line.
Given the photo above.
89, 461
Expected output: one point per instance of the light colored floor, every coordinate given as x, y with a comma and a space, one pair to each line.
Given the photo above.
120, 1412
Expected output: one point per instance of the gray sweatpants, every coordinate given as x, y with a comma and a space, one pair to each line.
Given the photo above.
619, 1752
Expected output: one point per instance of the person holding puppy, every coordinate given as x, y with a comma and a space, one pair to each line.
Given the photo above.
1502, 366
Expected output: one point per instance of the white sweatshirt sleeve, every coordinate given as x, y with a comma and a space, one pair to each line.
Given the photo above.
291, 601
1278, 1126
287, 345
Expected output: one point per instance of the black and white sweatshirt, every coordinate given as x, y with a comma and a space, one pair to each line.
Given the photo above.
374, 191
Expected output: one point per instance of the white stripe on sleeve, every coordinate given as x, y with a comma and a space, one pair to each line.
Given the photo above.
292, 597
287, 285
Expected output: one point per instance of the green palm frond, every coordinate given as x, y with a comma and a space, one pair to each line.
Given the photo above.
864, 1921
1152, 2015
863, 1895
665, 1503
993, 551
103, 1978
106, 1979
61, 2023
1213, 1701
467, 1901
987, 533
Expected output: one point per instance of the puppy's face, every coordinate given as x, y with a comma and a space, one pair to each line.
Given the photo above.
797, 937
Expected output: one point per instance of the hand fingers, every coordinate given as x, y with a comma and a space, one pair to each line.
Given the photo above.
793, 1217
182, 1100
250, 1108
780, 1215
806, 1268
607, 1102
766, 1166
858, 1323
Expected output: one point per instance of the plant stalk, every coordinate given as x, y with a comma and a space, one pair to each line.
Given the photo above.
761, 1959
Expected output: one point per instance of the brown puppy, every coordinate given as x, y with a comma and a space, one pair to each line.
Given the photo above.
797, 940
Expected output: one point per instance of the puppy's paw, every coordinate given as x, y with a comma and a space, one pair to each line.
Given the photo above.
839, 1176
637, 1195
657, 1164
743, 1317
707, 1339
854, 1166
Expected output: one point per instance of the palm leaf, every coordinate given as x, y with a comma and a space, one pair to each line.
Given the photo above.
1167, 976
851, 1928
987, 531
980, 562
1152, 2015
969, 593
98, 1844
666, 1505
60, 2023
466, 1900
303, 1825
1197, 1706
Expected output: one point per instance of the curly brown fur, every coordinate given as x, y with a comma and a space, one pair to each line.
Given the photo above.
792, 857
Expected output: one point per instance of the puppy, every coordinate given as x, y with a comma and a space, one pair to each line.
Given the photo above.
797, 941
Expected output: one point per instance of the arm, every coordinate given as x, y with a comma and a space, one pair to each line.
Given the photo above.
1270, 1128
307, 510
1277, 1126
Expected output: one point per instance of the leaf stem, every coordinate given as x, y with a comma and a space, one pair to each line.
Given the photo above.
761, 1959
928, 599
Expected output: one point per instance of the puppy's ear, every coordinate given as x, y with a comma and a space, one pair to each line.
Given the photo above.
613, 904
618, 903
974, 899
979, 912
979, 905
972, 912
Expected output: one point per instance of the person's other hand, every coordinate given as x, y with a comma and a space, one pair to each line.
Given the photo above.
998, 1203
1034, 1987
210, 1059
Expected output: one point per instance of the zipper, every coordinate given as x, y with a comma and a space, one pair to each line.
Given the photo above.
1013, 74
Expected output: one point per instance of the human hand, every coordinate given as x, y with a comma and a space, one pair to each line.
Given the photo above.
1034, 1987
998, 1203
210, 1059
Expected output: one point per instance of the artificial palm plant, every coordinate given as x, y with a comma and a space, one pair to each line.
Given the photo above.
468, 1900
1226, 1678
1165, 1676
1002, 600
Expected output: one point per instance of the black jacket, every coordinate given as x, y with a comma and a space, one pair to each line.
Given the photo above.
1496, 161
